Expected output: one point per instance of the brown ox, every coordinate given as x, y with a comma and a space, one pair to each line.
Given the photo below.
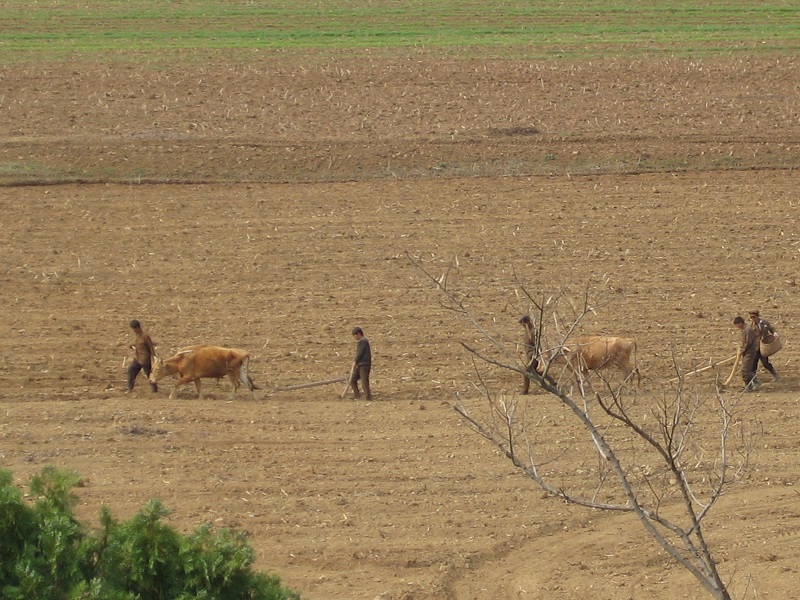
197, 362
596, 352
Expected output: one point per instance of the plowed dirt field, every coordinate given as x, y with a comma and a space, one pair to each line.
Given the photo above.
284, 202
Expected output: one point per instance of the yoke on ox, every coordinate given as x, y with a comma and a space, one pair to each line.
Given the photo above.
596, 352
198, 362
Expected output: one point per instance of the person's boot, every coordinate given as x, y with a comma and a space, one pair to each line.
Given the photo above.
753, 385
367, 389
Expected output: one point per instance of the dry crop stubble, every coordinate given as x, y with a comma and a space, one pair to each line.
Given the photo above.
394, 498
355, 499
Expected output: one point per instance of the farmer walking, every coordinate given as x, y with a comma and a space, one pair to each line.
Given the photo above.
361, 365
749, 353
144, 351
762, 328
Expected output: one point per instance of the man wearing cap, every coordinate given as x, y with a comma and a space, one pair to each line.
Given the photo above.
361, 365
530, 344
762, 328
144, 351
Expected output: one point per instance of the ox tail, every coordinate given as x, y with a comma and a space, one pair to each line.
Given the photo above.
244, 376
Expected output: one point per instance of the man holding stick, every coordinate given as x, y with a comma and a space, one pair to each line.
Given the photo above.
361, 365
749, 353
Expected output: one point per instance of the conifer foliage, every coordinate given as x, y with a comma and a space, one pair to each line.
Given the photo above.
45, 553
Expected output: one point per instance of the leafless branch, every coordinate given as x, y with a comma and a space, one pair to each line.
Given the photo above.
665, 433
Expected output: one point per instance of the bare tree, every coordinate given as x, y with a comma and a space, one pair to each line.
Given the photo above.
652, 458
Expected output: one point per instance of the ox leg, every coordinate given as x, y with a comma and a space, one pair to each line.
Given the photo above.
628, 372
182, 381
580, 379
197, 386
234, 377
174, 391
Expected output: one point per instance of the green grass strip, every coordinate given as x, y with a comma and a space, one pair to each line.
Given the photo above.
56, 28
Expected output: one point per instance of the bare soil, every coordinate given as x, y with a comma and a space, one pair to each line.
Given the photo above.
313, 183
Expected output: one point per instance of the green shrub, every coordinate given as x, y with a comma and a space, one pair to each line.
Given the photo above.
45, 553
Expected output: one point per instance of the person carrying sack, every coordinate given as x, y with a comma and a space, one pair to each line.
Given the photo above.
768, 342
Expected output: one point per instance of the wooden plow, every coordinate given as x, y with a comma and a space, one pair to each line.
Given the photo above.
348, 379
733, 359
310, 384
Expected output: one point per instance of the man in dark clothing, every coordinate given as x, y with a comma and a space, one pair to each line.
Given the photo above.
749, 353
144, 351
361, 365
762, 328
531, 345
